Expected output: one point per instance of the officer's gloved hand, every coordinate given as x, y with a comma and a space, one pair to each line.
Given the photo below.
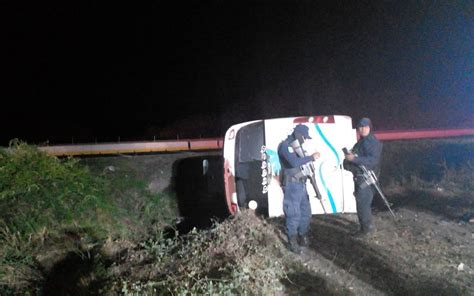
350, 157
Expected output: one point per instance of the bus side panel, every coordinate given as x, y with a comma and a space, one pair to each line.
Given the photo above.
333, 182
346, 139
276, 130
348, 182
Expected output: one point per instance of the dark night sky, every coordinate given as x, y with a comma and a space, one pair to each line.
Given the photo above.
90, 70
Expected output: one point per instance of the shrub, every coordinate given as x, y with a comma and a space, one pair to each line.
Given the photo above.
240, 256
40, 191
50, 207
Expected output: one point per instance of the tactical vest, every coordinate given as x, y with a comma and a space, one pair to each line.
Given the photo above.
294, 175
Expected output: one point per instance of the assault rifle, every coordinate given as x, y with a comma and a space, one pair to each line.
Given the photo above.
371, 180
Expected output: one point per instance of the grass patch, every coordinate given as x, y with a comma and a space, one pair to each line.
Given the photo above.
429, 163
142, 210
50, 207
38, 191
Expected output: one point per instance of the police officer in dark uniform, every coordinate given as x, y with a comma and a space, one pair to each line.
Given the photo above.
296, 204
366, 152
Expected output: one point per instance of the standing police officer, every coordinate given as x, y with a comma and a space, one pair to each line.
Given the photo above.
366, 152
296, 204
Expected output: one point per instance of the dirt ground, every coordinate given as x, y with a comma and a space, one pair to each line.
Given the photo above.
421, 252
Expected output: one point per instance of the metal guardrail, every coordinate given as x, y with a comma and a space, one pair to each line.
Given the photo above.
422, 134
134, 147
218, 143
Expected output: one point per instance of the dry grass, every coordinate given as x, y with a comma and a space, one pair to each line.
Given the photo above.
242, 255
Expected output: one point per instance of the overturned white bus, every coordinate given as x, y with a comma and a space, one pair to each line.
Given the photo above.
252, 169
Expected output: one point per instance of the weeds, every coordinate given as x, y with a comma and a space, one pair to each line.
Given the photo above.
460, 178
238, 256
143, 211
50, 207
38, 191
431, 163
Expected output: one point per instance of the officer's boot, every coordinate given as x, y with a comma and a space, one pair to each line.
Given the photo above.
304, 241
293, 244
365, 231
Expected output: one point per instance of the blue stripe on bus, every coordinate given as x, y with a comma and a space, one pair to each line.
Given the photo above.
328, 143
331, 199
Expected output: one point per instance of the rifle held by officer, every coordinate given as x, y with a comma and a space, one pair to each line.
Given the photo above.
308, 168
371, 180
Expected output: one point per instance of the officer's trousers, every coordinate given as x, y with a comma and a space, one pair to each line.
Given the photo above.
297, 209
364, 197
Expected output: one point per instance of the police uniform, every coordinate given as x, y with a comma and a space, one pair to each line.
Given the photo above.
296, 204
367, 152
